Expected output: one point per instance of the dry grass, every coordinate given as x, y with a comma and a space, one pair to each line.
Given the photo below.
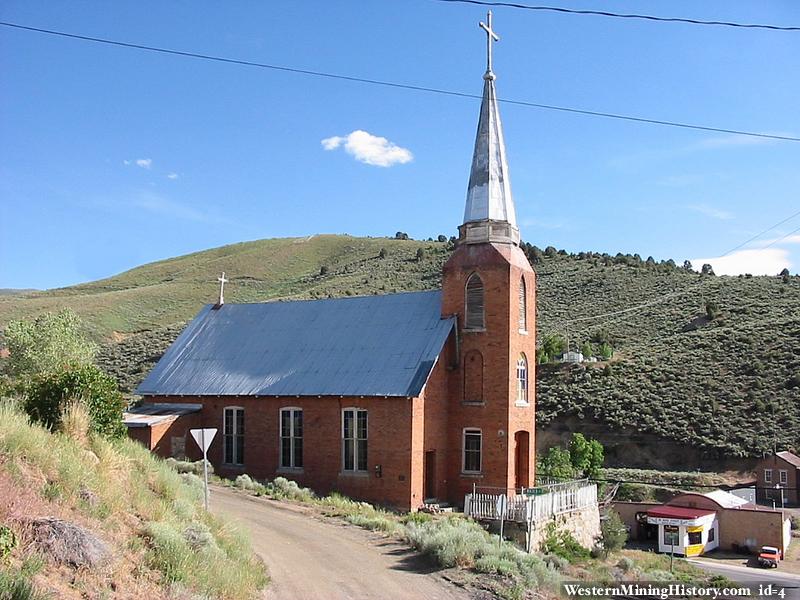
118, 492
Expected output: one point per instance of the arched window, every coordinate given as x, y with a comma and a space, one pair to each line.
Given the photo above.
523, 305
522, 379
474, 303
473, 376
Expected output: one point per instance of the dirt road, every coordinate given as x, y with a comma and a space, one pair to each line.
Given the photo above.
310, 559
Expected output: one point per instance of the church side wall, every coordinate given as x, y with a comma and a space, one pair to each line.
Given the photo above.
389, 444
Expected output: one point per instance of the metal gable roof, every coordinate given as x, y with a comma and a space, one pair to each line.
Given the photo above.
360, 346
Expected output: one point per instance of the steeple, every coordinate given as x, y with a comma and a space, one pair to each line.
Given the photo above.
489, 215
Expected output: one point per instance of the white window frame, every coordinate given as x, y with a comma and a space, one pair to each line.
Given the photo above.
783, 476
292, 410
471, 431
355, 439
237, 460
522, 383
767, 475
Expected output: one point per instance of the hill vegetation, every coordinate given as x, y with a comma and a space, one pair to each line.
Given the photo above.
83, 516
686, 359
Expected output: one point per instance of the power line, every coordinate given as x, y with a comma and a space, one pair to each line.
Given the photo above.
602, 13
758, 235
392, 84
780, 239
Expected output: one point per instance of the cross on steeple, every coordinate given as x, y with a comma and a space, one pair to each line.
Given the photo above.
490, 35
222, 282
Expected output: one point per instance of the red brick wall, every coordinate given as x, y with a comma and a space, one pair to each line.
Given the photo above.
766, 492
501, 267
389, 445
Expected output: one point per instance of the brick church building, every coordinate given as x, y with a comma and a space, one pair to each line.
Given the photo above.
393, 399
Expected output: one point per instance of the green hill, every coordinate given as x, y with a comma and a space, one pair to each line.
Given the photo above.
680, 390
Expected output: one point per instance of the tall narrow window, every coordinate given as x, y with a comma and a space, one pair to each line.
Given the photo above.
291, 438
522, 379
523, 305
233, 435
783, 476
472, 451
474, 318
767, 475
354, 439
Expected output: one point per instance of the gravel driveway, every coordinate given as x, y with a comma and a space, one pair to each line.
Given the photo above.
313, 559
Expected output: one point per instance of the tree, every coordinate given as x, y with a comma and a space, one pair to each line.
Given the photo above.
323, 270
50, 393
707, 269
48, 343
586, 350
586, 456
613, 533
784, 275
382, 253
687, 266
555, 463
605, 351
441, 238
420, 254
553, 346
401, 235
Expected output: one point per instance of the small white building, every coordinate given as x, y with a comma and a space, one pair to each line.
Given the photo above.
572, 357
685, 531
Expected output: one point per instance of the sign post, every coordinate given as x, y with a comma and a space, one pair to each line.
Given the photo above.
204, 437
502, 508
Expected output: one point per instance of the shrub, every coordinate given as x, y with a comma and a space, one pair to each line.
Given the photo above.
185, 466
49, 394
451, 542
625, 564
382, 254
420, 254
795, 522
563, 544
16, 586
374, 522
8, 541
495, 565
280, 487
613, 533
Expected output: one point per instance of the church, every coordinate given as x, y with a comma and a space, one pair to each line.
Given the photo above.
396, 399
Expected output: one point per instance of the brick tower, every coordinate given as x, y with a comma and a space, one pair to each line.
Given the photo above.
489, 284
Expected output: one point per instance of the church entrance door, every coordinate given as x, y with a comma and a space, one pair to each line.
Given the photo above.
430, 474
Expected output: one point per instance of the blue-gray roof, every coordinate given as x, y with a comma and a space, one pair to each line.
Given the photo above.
361, 346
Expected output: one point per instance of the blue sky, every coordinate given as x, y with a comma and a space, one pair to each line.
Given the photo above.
114, 157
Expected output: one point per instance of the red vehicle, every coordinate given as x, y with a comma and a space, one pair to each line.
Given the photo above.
769, 557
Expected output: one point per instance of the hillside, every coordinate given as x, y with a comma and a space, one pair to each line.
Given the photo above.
85, 517
681, 389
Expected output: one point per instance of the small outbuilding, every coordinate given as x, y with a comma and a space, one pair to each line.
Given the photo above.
163, 428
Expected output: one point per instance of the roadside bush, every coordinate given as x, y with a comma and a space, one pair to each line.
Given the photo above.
49, 395
186, 466
563, 544
375, 522
452, 542
280, 487
495, 565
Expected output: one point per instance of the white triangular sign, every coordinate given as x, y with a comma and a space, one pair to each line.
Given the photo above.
203, 437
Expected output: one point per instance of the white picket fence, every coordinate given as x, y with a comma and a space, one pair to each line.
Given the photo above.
534, 504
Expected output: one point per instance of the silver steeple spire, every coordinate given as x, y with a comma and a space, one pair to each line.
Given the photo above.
489, 214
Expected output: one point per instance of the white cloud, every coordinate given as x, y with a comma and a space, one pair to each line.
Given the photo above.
710, 211
145, 163
765, 261
791, 239
369, 149
172, 176
126, 162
